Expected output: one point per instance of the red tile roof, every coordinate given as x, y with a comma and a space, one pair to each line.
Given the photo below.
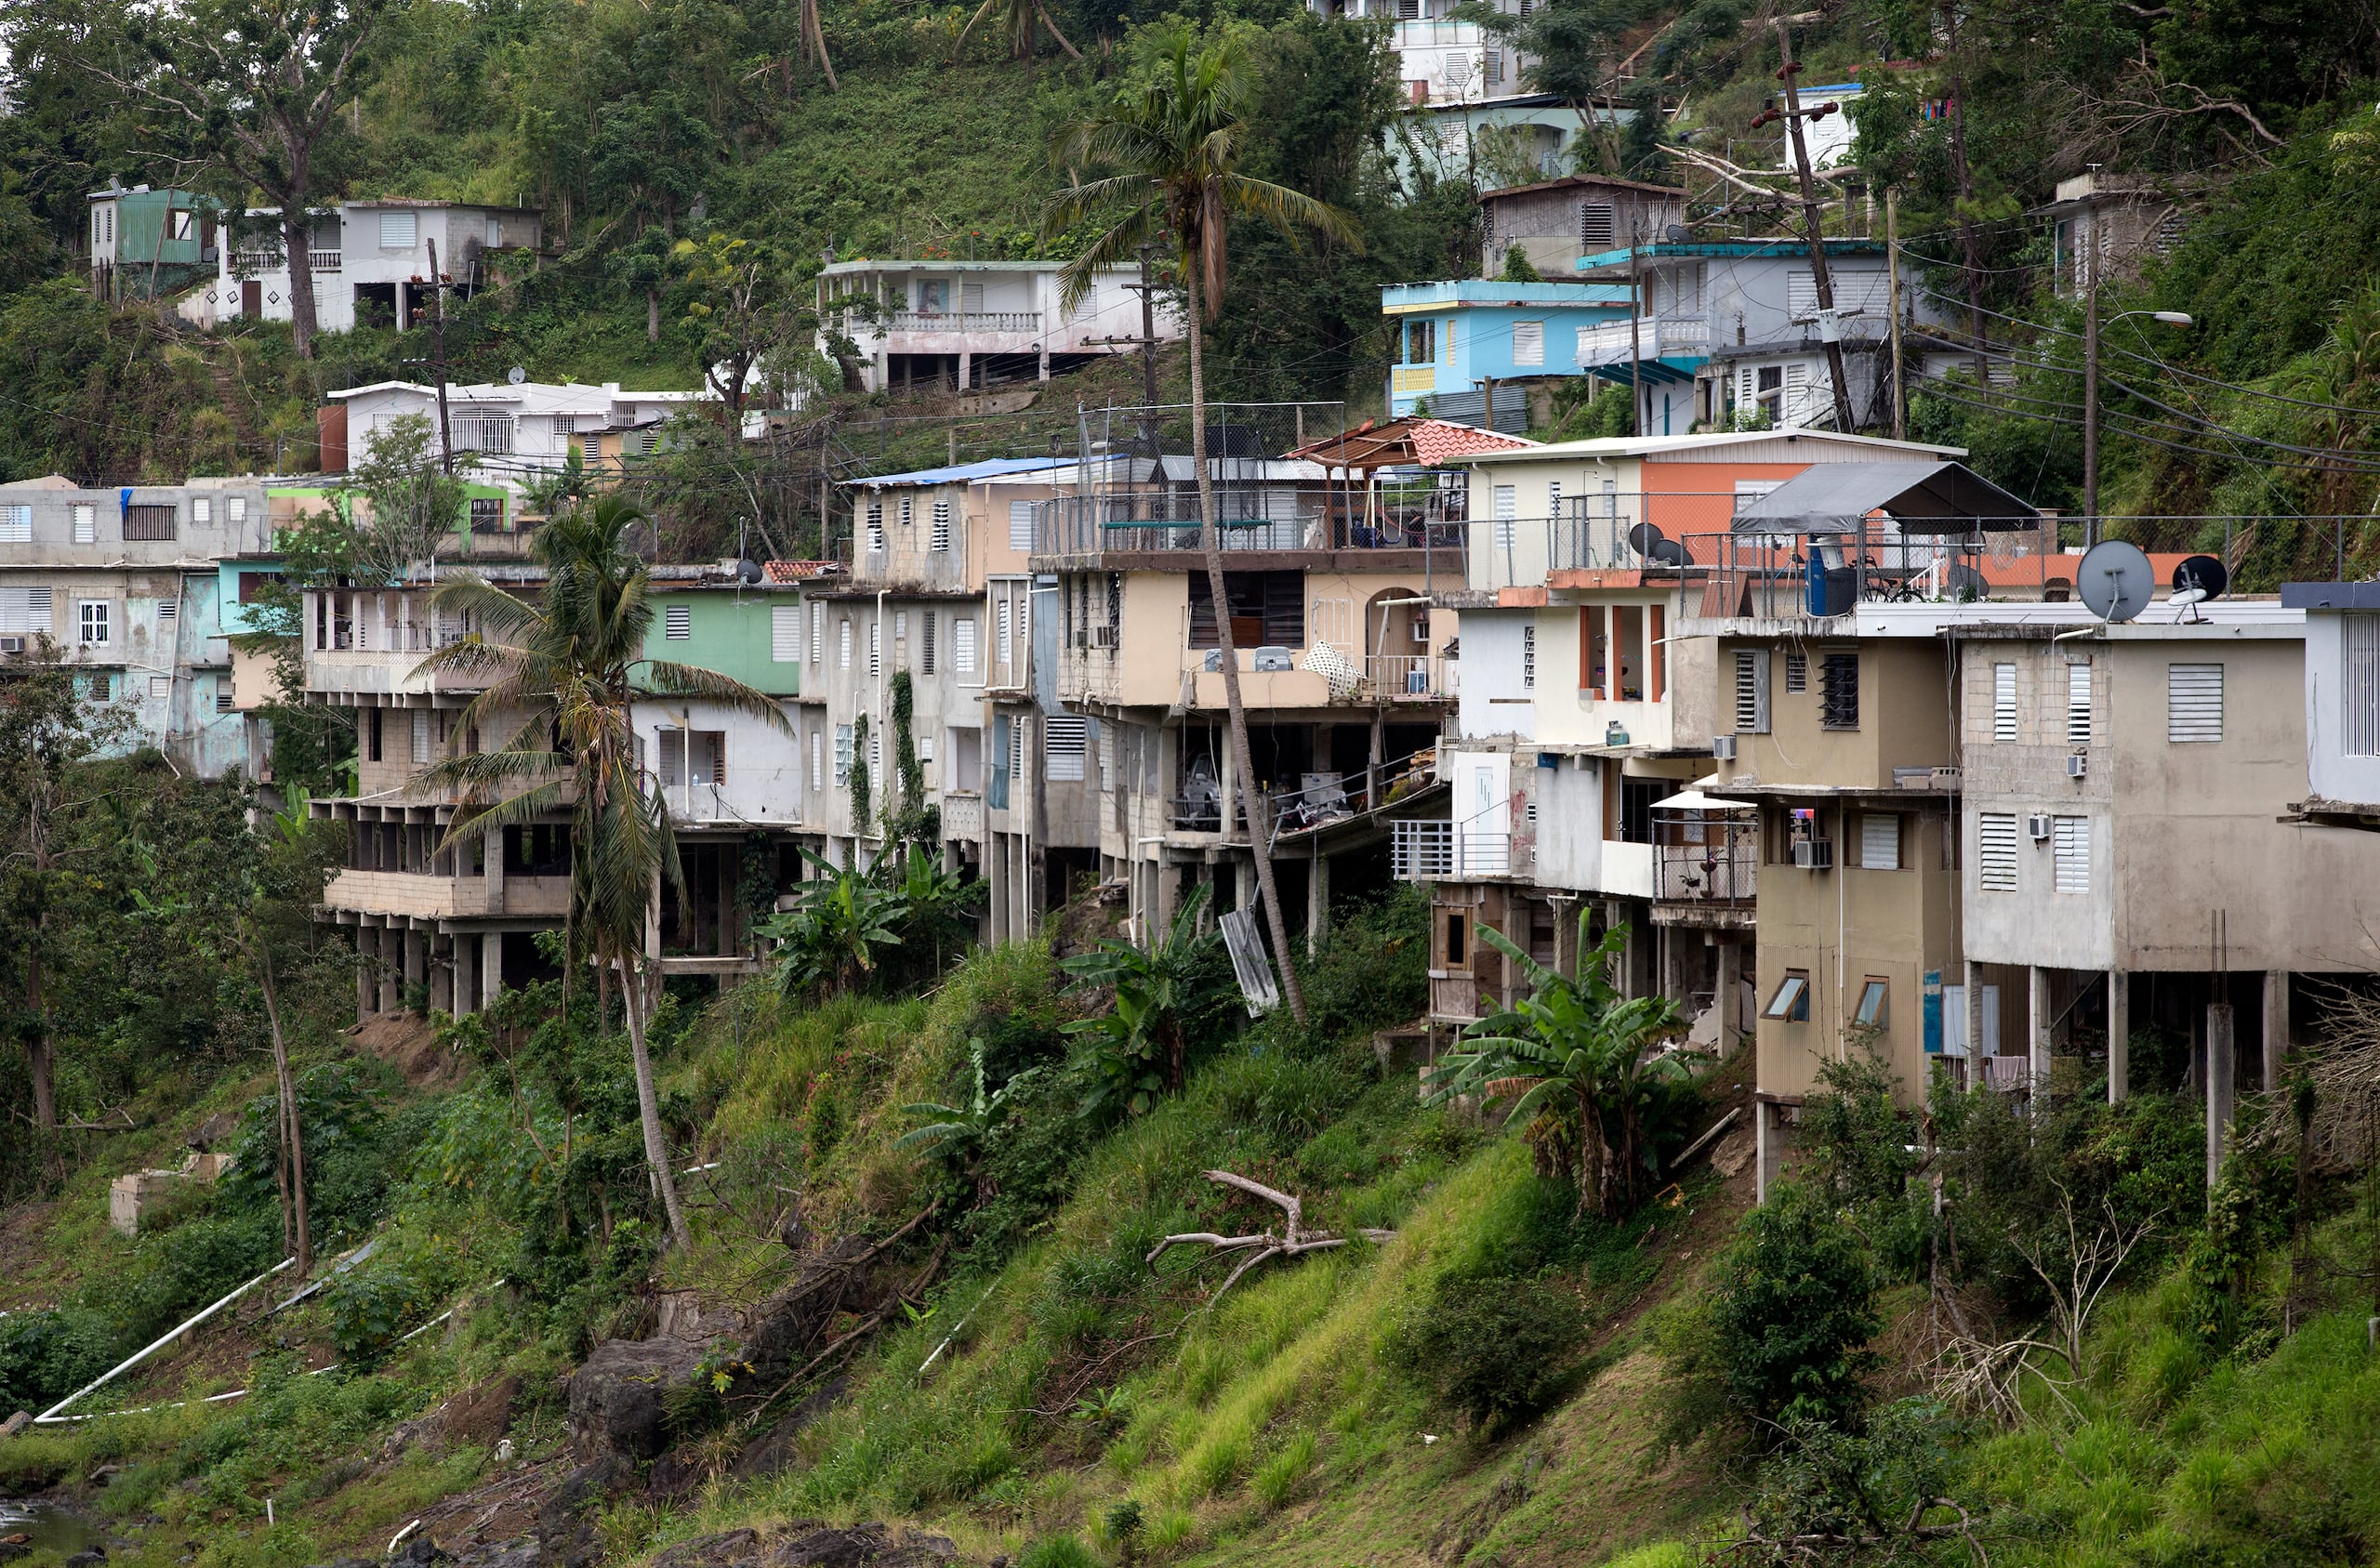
801, 570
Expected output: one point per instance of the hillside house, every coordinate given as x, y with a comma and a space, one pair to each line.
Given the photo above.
509, 432
964, 324
370, 261
149, 244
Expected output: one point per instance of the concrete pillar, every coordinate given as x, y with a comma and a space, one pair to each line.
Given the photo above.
367, 985
1041, 371
416, 956
1243, 883
492, 872
1768, 1135
2037, 1030
2276, 1027
491, 967
1318, 900
2219, 1066
463, 952
965, 373
2118, 1036
390, 953
1977, 1071
1724, 994
442, 972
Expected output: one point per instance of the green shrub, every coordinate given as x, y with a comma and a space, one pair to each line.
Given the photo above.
1496, 1347
1794, 1312
1276, 1479
47, 1355
1057, 1552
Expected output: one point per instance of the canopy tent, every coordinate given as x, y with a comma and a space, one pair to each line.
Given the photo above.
1920, 497
1692, 798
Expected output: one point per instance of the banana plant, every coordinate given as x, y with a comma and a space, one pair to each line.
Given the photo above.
1139, 1042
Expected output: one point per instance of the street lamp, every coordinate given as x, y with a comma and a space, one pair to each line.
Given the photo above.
2090, 397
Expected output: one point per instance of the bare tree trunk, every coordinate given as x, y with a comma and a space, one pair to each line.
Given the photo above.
1258, 824
1051, 23
39, 1055
297, 238
651, 314
293, 1196
648, 1104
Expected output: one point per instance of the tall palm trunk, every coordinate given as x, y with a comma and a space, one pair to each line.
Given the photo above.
1210, 535
648, 1104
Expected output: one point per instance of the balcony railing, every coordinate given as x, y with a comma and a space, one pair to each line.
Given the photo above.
1405, 675
1721, 872
254, 262
1446, 852
1654, 335
1275, 518
963, 321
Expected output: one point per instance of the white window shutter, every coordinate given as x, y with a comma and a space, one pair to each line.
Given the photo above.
844, 649
1020, 526
2004, 702
1880, 841
1064, 742
2359, 684
2078, 705
1996, 851
963, 639
2070, 852
785, 634
1752, 691
1529, 343
2193, 702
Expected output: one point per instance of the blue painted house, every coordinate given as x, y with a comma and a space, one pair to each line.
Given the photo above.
1453, 337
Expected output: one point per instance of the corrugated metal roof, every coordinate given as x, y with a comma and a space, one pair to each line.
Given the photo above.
989, 467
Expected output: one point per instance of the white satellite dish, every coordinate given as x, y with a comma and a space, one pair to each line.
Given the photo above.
2115, 580
516, 376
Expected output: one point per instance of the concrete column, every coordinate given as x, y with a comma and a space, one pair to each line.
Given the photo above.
2219, 1067
1977, 1071
1243, 882
1041, 372
463, 952
442, 971
2276, 1027
367, 986
391, 955
1769, 1162
2037, 1029
1318, 900
491, 967
492, 874
1725, 997
966, 370
2118, 1036
416, 956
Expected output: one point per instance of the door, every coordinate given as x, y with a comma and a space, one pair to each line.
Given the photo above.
1992, 1021
252, 297
1483, 809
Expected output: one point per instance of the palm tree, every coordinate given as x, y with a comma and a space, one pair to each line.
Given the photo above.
1017, 19
1571, 1056
568, 669
1174, 141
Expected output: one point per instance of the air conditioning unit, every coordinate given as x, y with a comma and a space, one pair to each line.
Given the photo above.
1273, 661
1722, 748
2077, 765
12, 644
1814, 854
2037, 827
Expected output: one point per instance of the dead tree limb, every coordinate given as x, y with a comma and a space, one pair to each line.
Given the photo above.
1264, 1245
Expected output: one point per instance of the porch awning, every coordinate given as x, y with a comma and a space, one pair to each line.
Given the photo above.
1921, 497
1692, 799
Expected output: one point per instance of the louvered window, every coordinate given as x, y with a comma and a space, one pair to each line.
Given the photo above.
818, 760
2004, 702
678, 622
876, 527
1020, 525
1839, 692
1880, 841
1996, 851
817, 633
1596, 229
785, 634
1797, 674
1001, 642
843, 649
420, 751
874, 649
925, 644
16, 525
2193, 702
1529, 343
2078, 705
1507, 505
1063, 742
941, 537
962, 637
2359, 683
2070, 852
1752, 691
87, 522
1528, 657
24, 610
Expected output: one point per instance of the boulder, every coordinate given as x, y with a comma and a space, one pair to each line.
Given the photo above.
16, 1425
774, 1450
479, 1417
565, 1523
616, 1397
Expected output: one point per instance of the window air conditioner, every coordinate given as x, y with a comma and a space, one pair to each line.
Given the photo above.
2077, 765
1272, 661
1814, 854
1722, 748
2037, 827
12, 644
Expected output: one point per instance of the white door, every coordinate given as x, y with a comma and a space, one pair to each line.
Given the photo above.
1954, 1021
1992, 1021
1483, 809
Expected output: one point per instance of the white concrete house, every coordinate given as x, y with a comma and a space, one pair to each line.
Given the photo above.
511, 430
977, 324
370, 260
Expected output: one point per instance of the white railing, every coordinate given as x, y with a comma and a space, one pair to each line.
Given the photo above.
483, 432
1438, 30
324, 260
964, 321
1654, 335
1405, 675
1446, 852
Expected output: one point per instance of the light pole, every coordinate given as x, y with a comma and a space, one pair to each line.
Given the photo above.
2090, 397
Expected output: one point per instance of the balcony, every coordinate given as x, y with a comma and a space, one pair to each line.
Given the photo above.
249, 263
433, 897
960, 321
1275, 518
1391, 677
1447, 851
1708, 876
1653, 336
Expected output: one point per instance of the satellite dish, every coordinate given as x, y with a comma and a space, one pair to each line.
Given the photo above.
2204, 573
1669, 552
1644, 538
516, 376
1964, 583
1678, 233
2115, 580
748, 570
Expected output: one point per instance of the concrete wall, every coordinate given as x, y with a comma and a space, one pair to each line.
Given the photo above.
2330, 772
1904, 720
2035, 924
1496, 699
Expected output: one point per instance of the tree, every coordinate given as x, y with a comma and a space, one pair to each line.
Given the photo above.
409, 503
1017, 19
46, 732
1141, 1037
568, 670
743, 310
1795, 1312
1572, 1054
1174, 138
258, 84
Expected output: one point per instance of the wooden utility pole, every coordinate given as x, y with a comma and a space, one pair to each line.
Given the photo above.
1830, 325
438, 359
1892, 283
1636, 327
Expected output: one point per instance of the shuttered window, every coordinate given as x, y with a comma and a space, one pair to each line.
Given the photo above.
421, 737
962, 637
2070, 852
16, 525
1063, 742
2193, 702
785, 634
1507, 507
1752, 691
1528, 657
1880, 841
24, 612
1529, 343
2004, 702
874, 649
925, 644
2359, 684
1996, 851
149, 521
941, 537
1020, 525
678, 622
1595, 227
1001, 642
2078, 705
876, 527
1839, 692
843, 649
1797, 674
817, 633
818, 760
87, 522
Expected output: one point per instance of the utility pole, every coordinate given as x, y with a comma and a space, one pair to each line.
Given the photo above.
1830, 325
1147, 291
1635, 328
438, 359
2091, 403
1891, 277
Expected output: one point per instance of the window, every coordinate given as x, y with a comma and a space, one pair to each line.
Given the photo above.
785, 634
1797, 674
1597, 231
908, 509
235, 509
400, 230
1880, 841
1791, 1002
225, 700
2193, 702
2070, 854
842, 754
161, 685
1554, 499
1529, 343
2359, 683
1996, 851
87, 522
940, 539
2078, 705
1839, 692
420, 738
817, 632
16, 525
487, 514
925, 644
1508, 510
1872, 1011
875, 757
962, 637
151, 522
94, 619
1020, 526
676, 622
373, 733
1420, 341
1528, 657
874, 649
844, 647
1016, 749
2004, 702
168, 610
1000, 632
1457, 929
1063, 745
818, 760
1267, 609
876, 528
24, 612
202, 510
1752, 691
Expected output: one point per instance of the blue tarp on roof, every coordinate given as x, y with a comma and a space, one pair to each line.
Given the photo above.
990, 468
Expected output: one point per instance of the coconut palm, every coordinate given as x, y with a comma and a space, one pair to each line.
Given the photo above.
567, 669
1017, 19
1572, 1057
1173, 140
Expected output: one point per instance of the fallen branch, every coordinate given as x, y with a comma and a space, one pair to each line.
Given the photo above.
867, 1325
1265, 1246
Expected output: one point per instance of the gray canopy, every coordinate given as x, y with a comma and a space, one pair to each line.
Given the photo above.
1922, 497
